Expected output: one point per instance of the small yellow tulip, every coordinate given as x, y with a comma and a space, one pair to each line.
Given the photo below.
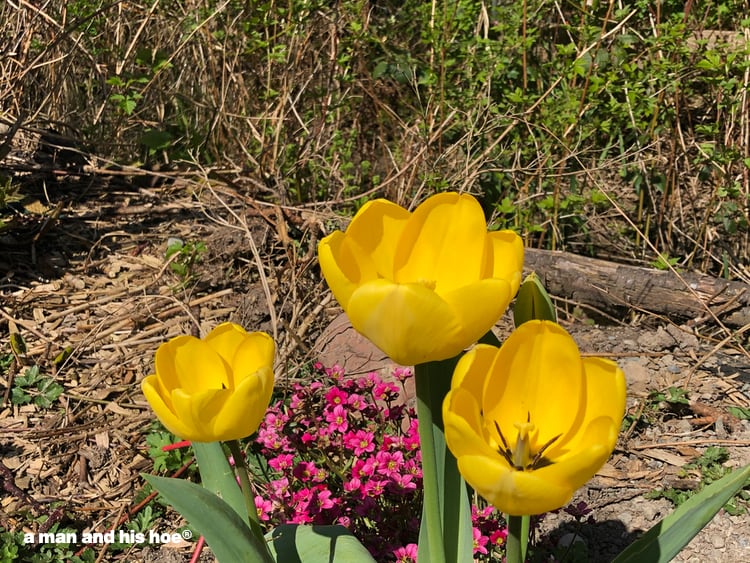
213, 389
531, 422
422, 286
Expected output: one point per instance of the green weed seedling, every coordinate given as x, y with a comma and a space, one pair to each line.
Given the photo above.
711, 467
184, 257
34, 387
165, 461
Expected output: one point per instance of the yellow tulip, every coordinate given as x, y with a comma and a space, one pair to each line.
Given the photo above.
531, 422
422, 286
213, 389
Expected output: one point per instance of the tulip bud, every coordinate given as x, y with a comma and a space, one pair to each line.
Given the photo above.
533, 302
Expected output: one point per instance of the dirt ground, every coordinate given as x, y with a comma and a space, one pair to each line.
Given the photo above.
96, 281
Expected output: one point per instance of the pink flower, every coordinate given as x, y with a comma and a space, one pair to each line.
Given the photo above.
264, 508
360, 442
404, 482
323, 499
336, 396
356, 401
280, 487
337, 419
281, 462
353, 484
305, 471
335, 372
364, 467
406, 554
385, 391
498, 537
375, 487
411, 440
389, 463
480, 542
402, 374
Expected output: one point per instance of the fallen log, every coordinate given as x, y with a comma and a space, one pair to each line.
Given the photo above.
617, 289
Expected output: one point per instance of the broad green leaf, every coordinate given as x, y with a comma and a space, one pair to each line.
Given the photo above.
667, 538
294, 543
228, 536
217, 476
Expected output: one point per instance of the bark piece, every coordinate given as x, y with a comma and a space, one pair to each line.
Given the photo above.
617, 288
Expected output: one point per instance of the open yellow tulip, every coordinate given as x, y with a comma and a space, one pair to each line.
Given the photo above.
213, 389
531, 422
422, 286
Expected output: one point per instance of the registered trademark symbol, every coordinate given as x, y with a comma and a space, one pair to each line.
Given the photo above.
187, 534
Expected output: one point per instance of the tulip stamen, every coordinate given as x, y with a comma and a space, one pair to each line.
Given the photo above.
517, 457
505, 450
539, 460
429, 284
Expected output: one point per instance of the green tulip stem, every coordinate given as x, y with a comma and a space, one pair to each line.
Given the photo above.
518, 537
525, 528
446, 534
247, 492
431, 514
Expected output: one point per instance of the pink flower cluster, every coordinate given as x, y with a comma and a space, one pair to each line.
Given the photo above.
346, 450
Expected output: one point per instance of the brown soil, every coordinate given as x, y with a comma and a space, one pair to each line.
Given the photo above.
96, 281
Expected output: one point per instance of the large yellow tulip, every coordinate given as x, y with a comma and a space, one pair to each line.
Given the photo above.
531, 422
213, 389
422, 286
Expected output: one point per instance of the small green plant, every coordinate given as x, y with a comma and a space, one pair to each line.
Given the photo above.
144, 520
674, 397
743, 413
127, 93
14, 548
165, 461
664, 262
35, 387
184, 256
710, 466
673, 400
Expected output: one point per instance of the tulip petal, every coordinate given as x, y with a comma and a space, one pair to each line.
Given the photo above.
580, 463
198, 412
477, 306
190, 363
344, 266
377, 228
244, 409
255, 352
164, 364
225, 339
537, 365
162, 407
506, 251
444, 241
513, 492
409, 322
464, 432
472, 369
605, 400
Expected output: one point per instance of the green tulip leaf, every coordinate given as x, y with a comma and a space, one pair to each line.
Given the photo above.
228, 536
533, 302
217, 476
665, 540
294, 543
